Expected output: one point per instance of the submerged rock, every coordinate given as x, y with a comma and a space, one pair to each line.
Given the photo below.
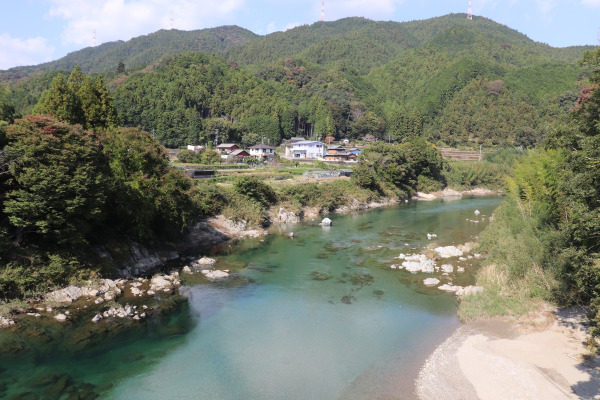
431, 281
320, 276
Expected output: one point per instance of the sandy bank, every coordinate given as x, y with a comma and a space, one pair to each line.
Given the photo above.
498, 359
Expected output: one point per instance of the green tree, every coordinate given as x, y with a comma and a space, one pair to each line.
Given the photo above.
60, 102
81, 100
120, 68
57, 190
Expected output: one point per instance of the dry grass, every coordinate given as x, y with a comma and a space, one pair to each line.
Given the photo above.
507, 297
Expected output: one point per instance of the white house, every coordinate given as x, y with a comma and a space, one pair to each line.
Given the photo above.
194, 148
262, 151
305, 149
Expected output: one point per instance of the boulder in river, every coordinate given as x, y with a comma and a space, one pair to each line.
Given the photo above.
213, 275
326, 222
417, 263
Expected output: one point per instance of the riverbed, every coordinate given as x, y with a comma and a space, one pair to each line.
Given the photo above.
321, 315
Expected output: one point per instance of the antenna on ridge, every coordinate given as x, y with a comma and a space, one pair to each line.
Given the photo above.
323, 10
94, 38
470, 12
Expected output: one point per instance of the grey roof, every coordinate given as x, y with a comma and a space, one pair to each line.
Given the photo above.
262, 146
226, 145
309, 142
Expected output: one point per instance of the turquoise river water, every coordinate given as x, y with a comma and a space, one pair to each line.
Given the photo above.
319, 316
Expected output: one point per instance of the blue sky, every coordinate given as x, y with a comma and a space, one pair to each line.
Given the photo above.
36, 31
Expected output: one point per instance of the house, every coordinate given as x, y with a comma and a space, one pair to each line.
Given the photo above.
226, 148
305, 149
262, 151
195, 148
341, 156
239, 153
334, 149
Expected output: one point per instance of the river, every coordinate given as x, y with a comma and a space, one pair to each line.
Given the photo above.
320, 316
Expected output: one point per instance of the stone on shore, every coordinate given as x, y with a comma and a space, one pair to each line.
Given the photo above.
448, 268
448, 251
6, 322
206, 261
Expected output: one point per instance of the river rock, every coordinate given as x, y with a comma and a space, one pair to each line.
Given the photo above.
448, 268
448, 251
469, 290
326, 222
417, 263
6, 322
60, 317
287, 217
187, 270
97, 318
205, 261
451, 193
449, 288
431, 281
476, 212
213, 275
159, 282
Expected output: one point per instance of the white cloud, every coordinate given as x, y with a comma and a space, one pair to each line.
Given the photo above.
592, 3
546, 6
121, 19
17, 51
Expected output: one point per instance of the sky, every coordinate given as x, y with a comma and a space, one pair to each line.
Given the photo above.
37, 31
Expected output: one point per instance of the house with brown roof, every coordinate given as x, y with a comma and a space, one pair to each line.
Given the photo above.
226, 148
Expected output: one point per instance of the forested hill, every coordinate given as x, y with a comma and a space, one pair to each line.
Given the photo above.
142, 50
362, 44
452, 80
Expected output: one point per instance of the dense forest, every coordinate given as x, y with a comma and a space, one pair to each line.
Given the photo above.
452, 81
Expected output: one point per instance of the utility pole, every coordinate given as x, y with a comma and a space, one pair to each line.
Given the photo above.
216, 137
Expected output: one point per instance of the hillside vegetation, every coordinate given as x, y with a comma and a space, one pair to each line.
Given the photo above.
453, 81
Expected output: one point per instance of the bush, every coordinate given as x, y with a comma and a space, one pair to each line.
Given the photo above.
251, 187
188, 157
